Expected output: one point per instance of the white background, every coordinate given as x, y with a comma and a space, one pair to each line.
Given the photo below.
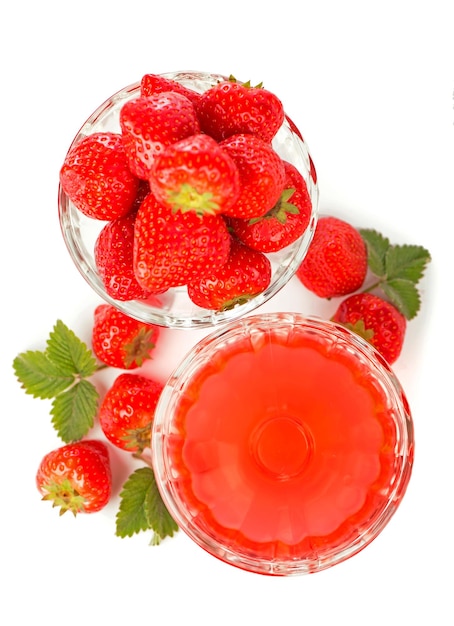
371, 87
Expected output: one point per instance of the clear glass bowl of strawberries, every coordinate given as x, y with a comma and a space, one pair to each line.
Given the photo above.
188, 199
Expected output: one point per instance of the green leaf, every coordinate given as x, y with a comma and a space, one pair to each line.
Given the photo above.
158, 516
39, 376
69, 353
74, 410
141, 508
377, 247
404, 295
406, 262
398, 269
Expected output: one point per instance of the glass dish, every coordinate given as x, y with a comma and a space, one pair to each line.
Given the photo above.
174, 309
282, 445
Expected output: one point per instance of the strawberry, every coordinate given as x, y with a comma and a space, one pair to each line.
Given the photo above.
114, 259
195, 174
121, 341
231, 108
171, 248
148, 124
376, 320
284, 223
246, 273
127, 410
96, 178
336, 262
262, 175
154, 83
76, 477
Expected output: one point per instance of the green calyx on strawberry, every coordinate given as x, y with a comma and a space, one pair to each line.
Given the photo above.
76, 477
281, 209
284, 223
127, 410
195, 174
121, 341
375, 320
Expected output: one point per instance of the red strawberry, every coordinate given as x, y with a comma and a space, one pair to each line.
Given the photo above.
336, 262
76, 477
96, 178
231, 108
262, 175
114, 259
246, 273
284, 223
171, 248
149, 124
195, 174
376, 320
127, 411
121, 341
142, 193
154, 83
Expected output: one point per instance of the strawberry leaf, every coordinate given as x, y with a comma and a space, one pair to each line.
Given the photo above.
74, 410
406, 262
404, 295
141, 508
39, 376
377, 247
60, 372
69, 353
45, 374
158, 516
398, 268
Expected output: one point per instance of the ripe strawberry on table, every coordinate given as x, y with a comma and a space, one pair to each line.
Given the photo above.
376, 320
121, 341
232, 108
172, 248
114, 259
96, 178
195, 174
284, 223
246, 273
336, 262
154, 83
76, 477
127, 410
148, 124
262, 175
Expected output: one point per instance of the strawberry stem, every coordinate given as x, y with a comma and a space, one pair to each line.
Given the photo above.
375, 285
189, 199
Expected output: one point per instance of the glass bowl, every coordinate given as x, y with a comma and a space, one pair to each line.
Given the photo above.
174, 309
282, 444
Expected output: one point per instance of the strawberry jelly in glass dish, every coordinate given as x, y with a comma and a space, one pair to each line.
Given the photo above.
282, 445
174, 308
